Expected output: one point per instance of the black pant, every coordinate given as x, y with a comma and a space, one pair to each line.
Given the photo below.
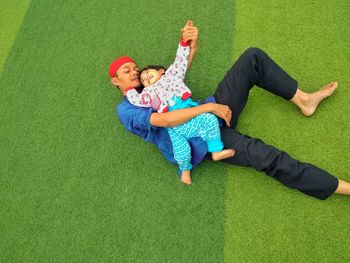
255, 67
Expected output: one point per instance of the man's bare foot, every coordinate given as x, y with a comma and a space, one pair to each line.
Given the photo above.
186, 177
223, 154
308, 102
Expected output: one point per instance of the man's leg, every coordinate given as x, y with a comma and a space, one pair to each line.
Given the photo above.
255, 67
343, 188
304, 177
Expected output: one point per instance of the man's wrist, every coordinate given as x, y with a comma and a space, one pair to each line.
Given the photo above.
208, 107
194, 45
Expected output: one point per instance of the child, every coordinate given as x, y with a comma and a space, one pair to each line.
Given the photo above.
165, 90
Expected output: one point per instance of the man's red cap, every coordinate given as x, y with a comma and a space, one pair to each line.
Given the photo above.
117, 63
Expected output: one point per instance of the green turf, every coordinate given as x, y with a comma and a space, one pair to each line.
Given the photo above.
74, 185
267, 222
11, 16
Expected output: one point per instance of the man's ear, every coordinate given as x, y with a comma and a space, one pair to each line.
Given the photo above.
115, 81
162, 71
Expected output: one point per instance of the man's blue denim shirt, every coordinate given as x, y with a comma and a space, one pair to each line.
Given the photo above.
137, 120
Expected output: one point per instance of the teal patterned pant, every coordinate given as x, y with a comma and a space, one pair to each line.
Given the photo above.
205, 126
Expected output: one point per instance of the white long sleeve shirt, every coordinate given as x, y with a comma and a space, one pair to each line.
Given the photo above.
160, 95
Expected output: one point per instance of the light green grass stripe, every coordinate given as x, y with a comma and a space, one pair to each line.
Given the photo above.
12, 13
267, 222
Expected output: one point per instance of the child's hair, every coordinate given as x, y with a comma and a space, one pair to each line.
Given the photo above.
152, 67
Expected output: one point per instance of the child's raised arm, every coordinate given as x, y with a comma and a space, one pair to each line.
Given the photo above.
190, 34
179, 67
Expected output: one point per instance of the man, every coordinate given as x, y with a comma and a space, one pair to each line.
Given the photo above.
254, 67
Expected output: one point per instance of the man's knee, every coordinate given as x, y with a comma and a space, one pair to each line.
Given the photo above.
253, 52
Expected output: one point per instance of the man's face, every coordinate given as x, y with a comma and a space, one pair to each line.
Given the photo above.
127, 76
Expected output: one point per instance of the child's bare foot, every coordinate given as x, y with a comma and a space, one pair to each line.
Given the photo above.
308, 102
223, 154
186, 177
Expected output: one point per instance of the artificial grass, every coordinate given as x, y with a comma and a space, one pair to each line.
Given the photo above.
266, 222
75, 186
11, 16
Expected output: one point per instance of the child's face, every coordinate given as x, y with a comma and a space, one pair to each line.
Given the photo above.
150, 76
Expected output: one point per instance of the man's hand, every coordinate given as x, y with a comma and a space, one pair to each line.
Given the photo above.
190, 33
222, 111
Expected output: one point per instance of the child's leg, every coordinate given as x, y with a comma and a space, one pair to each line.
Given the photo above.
210, 132
186, 177
182, 154
227, 153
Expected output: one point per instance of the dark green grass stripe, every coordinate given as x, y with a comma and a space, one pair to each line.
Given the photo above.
266, 222
74, 185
